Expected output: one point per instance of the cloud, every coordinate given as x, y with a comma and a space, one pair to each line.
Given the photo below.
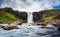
30, 5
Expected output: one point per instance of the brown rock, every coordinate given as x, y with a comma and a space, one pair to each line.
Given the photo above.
10, 27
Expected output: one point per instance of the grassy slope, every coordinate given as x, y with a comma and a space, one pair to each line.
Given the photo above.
6, 17
50, 15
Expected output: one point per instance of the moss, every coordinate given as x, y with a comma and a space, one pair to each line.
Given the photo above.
49, 19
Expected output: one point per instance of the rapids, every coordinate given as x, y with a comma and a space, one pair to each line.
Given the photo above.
30, 31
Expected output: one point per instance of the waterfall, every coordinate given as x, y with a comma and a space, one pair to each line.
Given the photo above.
30, 17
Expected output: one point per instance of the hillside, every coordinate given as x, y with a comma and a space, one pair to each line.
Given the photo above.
51, 15
47, 16
8, 15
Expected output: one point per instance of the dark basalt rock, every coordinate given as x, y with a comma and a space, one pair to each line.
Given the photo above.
38, 24
43, 24
20, 24
21, 15
11, 36
1, 26
59, 29
37, 16
8, 9
41, 34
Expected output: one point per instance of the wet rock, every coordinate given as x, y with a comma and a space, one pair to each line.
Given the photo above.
55, 25
11, 36
43, 24
1, 26
34, 24
59, 29
41, 34
20, 24
10, 27
38, 24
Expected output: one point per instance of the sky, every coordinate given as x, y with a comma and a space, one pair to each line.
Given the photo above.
30, 5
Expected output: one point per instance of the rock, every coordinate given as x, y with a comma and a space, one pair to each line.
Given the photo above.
17, 22
41, 34
34, 24
38, 24
20, 15
1, 26
10, 27
43, 24
37, 16
20, 24
59, 29
11, 36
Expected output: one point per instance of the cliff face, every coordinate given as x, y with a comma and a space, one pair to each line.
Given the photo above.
37, 16
9, 15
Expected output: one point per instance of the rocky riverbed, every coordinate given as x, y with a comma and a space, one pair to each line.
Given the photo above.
30, 31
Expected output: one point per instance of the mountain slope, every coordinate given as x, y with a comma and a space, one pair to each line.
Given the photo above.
47, 16
8, 15
50, 15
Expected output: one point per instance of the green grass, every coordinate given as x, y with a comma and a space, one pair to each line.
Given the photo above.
49, 19
49, 16
6, 17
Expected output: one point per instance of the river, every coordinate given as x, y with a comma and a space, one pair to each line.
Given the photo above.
30, 31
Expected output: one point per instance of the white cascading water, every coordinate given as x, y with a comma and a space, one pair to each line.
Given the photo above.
30, 17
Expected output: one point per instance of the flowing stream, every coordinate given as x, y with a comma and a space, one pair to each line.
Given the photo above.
30, 31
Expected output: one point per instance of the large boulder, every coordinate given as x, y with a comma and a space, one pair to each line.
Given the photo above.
10, 27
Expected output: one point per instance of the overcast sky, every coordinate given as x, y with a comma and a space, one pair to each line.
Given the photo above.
30, 5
